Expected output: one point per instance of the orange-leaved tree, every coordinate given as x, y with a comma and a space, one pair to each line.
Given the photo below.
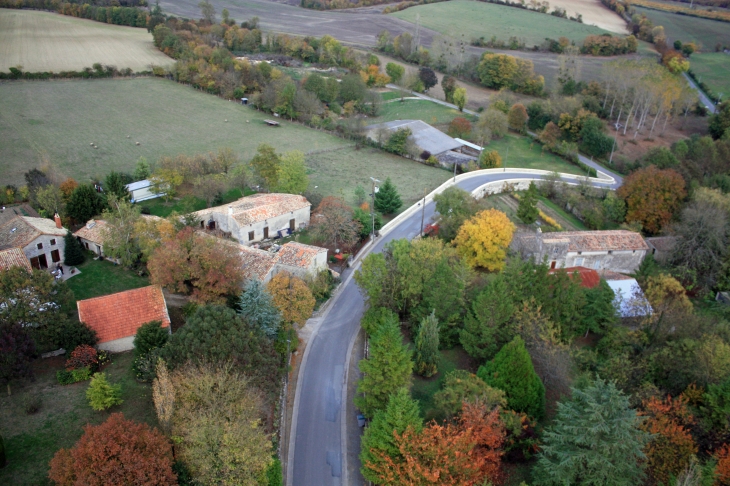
722, 471
489, 434
652, 196
672, 447
118, 451
517, 117
292, 297
206, 268
482, 240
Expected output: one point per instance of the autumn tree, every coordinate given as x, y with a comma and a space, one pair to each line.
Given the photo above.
486, 326
266, 165
206, 268
512, 371
483, 239
118, 451
490, 159
722, 455
671, 447
259, 309
218, 420
652, 196
292, 174
427, 77
527, 209
387, 199
118, 234
595, 439
216, 334
667, 296
292, 297
387, 369
333, 223
427, 346
486, 425
459, 127
549, 135
67, 188
151, 233
517, 117
454, 206
460, 387
395, 71
448, 84
460, 98
401, 413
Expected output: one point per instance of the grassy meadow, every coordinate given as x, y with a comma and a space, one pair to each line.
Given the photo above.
690, 29
409, 109
713, 68
102, 277
477, 19
45, 41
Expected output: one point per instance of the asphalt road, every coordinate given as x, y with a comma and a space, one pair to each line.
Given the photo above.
703, 98
316, 451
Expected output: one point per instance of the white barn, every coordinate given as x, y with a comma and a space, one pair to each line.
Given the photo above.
142, 191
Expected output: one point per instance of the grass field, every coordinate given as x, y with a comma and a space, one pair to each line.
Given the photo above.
59, 119
477, 19
428, 111
99, 278
44, 41
706, 32
32, 440
523, 153
713, 68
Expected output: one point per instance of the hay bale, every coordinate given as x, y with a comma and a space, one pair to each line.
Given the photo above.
91, 144
128, 136
137, 143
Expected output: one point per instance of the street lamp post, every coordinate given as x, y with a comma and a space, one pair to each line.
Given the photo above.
372, 210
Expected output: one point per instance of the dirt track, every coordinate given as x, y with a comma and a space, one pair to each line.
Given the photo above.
358, 28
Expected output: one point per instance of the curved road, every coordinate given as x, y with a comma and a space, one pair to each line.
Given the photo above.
316, 447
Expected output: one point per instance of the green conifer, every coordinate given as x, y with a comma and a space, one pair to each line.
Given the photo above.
527, 210
73, 254
387, 199
427, 346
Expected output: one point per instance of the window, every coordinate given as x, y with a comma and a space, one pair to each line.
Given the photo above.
579, 262
596, 264
610, 252
580, 253
39, 246
250, 236
53, 241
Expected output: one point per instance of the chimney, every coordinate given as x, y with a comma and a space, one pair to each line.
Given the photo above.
57, 219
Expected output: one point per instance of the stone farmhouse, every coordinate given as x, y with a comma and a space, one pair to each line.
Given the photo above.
116, 317
258, 217
91, 235
40, 239
296, 258
615, 250
14, 257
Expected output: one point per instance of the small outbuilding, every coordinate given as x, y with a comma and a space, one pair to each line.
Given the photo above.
423, 136
117, 317
142, 191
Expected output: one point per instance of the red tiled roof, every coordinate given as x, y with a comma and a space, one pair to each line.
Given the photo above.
14, 257
256, 263
589, 278
616, 240
119, 315
259, 207
298, 254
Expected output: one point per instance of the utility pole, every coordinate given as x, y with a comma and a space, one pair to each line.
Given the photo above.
372, 209
423, 209
455, 164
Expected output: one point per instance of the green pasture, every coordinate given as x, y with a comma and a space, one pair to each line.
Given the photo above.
427, 111
690, 29
479, 19
522, 153
713, 68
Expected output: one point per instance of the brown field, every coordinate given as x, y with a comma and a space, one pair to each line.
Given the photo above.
594, 13
44, 41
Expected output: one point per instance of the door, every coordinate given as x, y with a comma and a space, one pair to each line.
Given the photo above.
552, 264
40, 262
55, 256
292, 225
266, 232
35, 263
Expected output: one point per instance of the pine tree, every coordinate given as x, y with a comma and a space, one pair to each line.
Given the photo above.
527, 210
257, 307
486, 327
102, 394
511, 370
387, 199
388, 368
595, 439
427, 346
401, 412
73, 254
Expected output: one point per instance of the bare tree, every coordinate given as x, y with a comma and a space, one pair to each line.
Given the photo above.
333, 223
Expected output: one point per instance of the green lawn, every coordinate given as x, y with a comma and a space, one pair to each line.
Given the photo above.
99, 278
479, 19
424, 388
162, 208
522, 152
32, 440
427, 111
687, 29
713, 69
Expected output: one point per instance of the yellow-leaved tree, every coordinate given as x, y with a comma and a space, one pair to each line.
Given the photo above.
292, 297
483, 239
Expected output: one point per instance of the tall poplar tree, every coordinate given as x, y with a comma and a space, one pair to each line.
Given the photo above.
387, 369
427, 346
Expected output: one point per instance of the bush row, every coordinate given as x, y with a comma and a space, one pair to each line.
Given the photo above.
97, 71
129, 16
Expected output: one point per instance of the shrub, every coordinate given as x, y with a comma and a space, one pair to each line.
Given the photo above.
32, 404
103, 395
144, 366
150, 336
81, 357
490, 159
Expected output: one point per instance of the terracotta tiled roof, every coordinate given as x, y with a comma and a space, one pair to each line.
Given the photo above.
259, 207
612, 240
610, 275
14, 257
119, 315
92, 231
589, 278
22, 230
257, 263
662, 243
297, 254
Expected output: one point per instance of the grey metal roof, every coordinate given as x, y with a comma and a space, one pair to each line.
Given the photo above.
423, 135
136, 186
